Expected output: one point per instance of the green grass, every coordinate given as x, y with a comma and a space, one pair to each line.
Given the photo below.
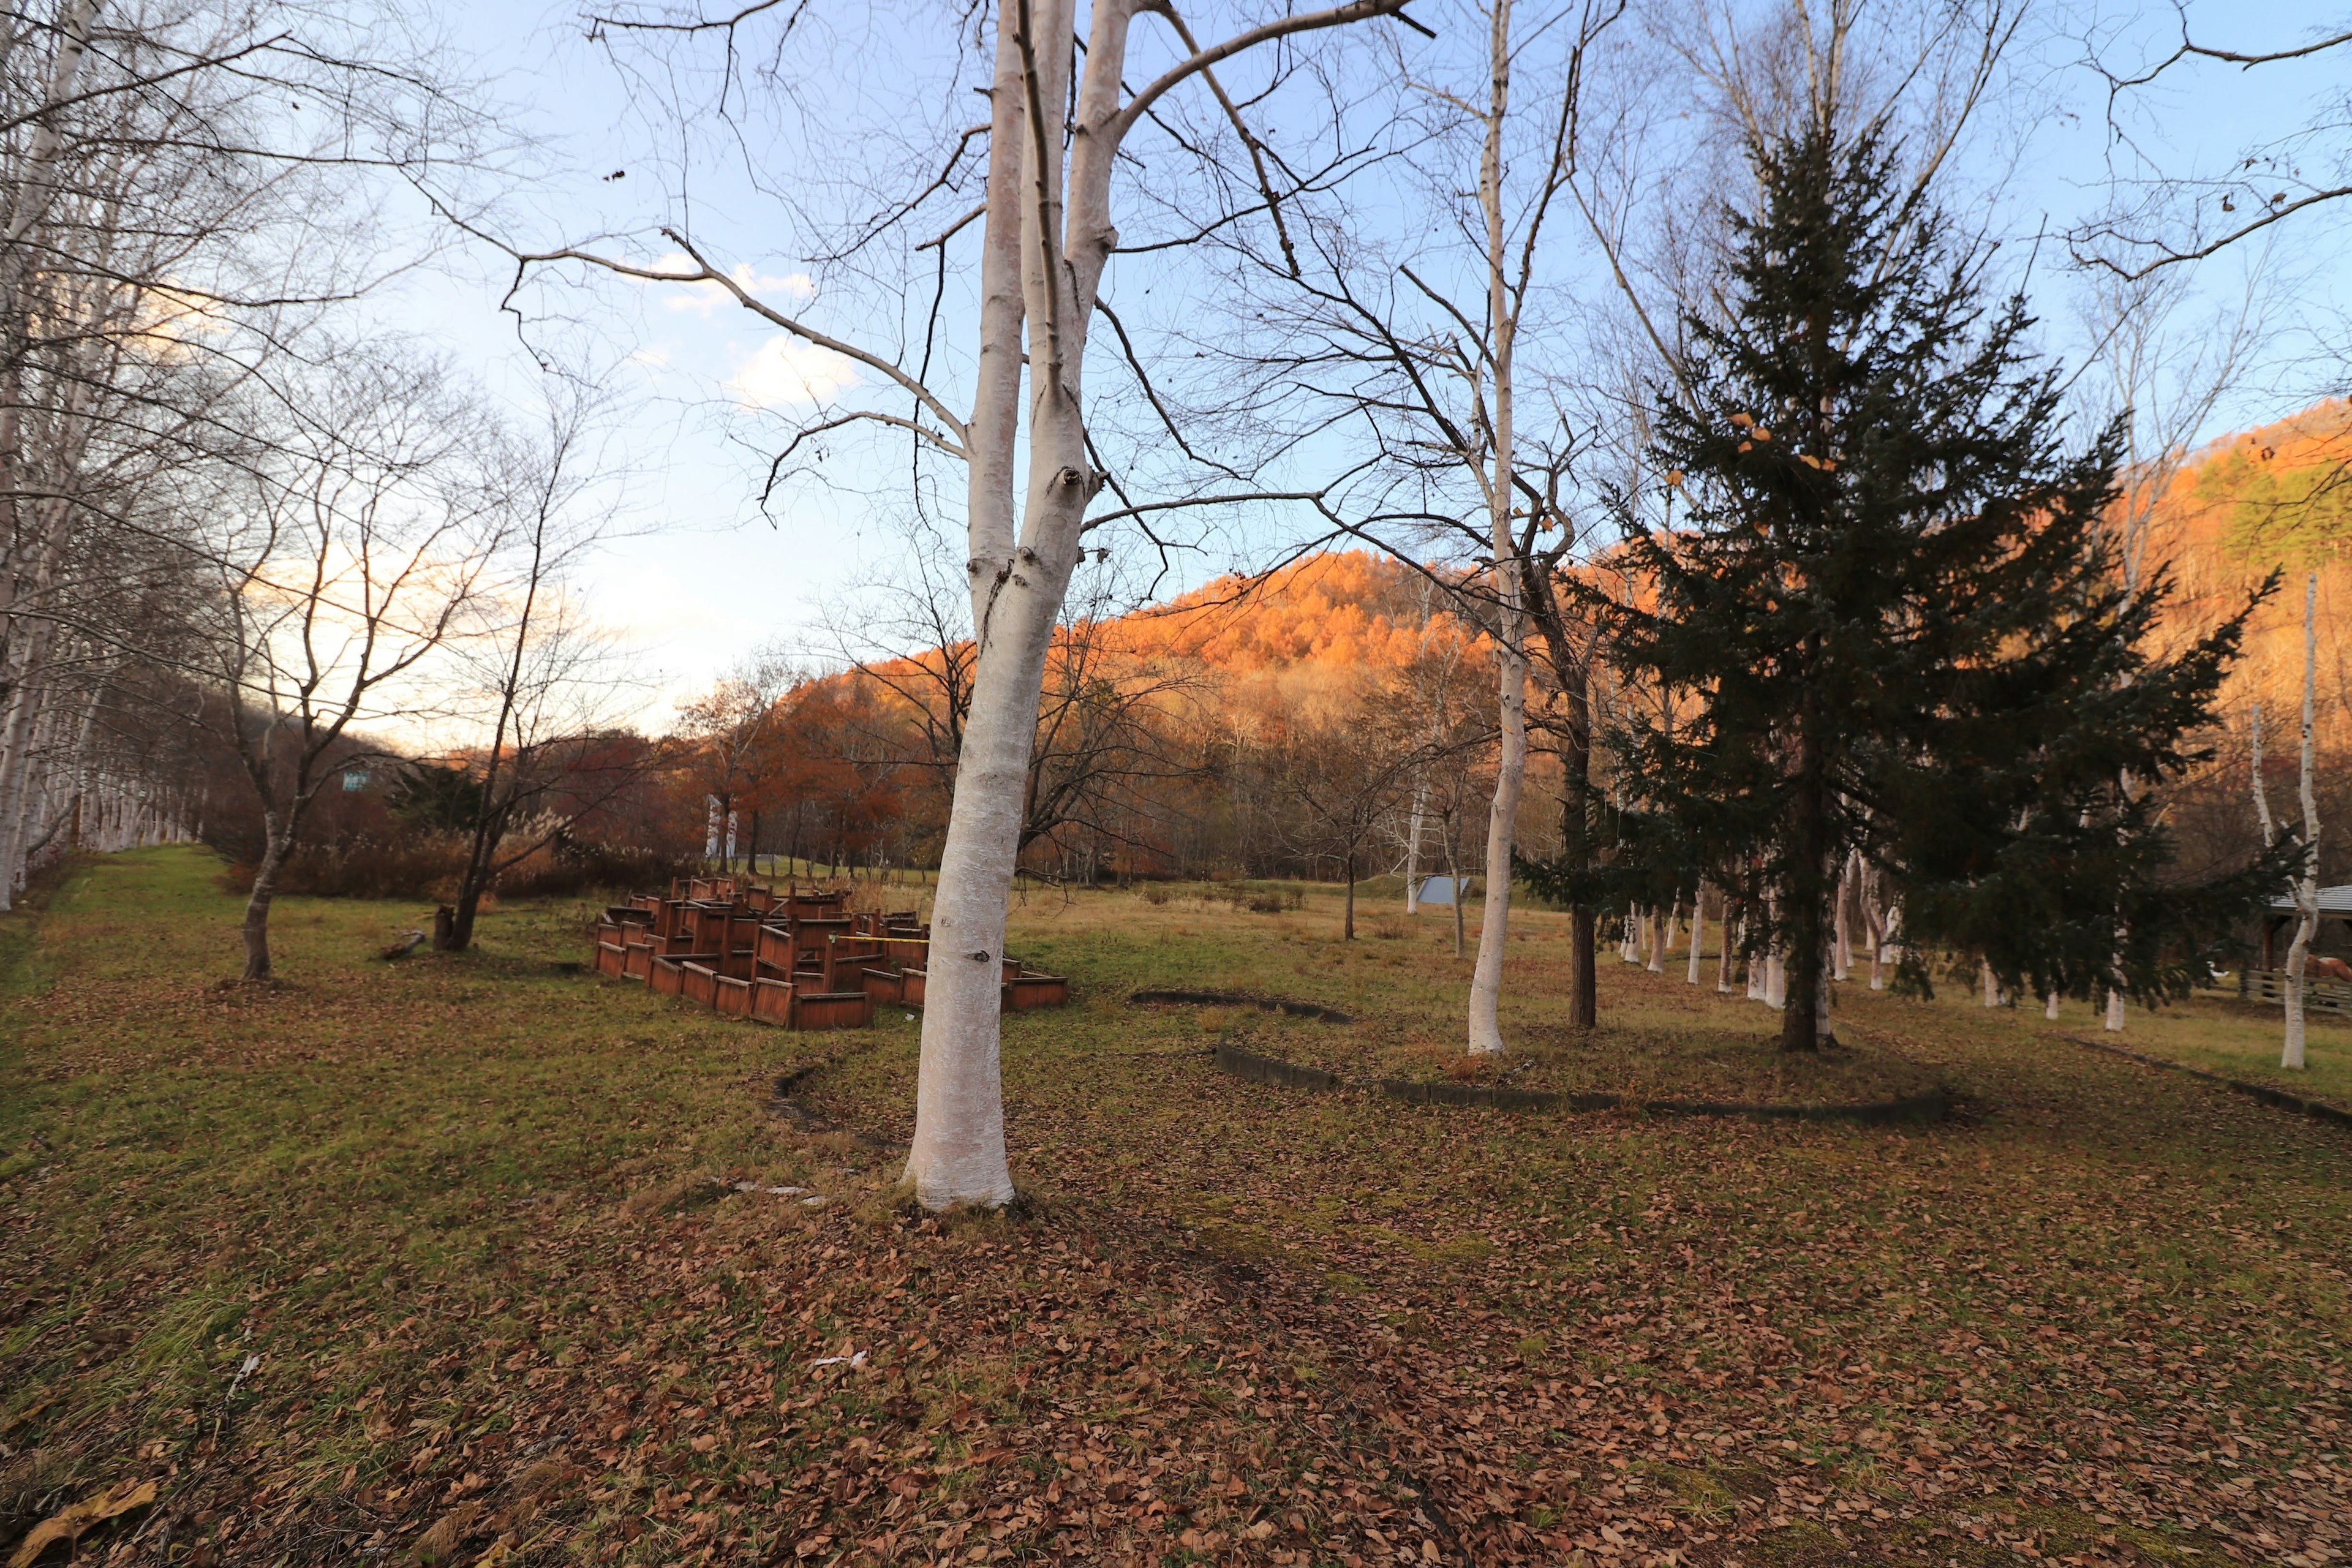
460, 1209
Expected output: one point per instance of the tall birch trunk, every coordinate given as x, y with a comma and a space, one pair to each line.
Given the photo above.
1412, 844
1510, 654
1045, 245
2306, 887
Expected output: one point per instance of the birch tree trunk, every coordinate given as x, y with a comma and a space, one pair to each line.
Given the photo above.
1841, 931
1698, 933
2306, 887
1873, 925
1045, 246
1510, 652
1412, 844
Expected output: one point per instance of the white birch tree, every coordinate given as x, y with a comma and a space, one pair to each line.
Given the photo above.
1057, 133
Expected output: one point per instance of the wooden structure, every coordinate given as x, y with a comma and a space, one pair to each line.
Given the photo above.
799, 959
2268, 983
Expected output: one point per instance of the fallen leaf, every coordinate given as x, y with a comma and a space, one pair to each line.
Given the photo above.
67, 1524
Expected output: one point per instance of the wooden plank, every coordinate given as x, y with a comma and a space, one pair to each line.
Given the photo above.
831, 1010
734, 996
772, 1002
1029, 991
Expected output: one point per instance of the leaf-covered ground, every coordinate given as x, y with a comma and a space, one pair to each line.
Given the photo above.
446, 1259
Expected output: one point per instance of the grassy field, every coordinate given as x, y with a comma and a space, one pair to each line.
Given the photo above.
449, 1259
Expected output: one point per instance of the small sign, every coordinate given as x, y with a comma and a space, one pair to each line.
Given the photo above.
1437, 891
354, 779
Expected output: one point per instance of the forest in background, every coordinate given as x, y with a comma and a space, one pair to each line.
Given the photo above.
1293, 723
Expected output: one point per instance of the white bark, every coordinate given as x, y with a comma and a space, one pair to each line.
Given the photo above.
1412, 844
1055, 236
1841, 934
1511, 654
1661, 936
1874, 923
2050, 1006
2306, 887
1698, 933
1776, 979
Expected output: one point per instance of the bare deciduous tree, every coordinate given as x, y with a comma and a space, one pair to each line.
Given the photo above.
350, 556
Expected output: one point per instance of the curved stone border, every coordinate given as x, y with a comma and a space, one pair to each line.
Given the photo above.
2285, 1099
1230, 999
1929, 1107
1273, 1069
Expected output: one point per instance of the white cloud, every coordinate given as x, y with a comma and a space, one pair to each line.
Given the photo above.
705, 296
785, 372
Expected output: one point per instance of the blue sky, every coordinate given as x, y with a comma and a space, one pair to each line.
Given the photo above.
704, 573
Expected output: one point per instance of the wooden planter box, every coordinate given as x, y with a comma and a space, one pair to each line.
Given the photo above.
910, 987
636, 960
666, 978
831, 1010
701, 984
771, 1002
708, 923
608, 958
1025, 992
846, 959
734, 996
772, 945
881, 986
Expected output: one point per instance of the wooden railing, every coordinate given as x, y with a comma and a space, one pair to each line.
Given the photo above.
2318, 995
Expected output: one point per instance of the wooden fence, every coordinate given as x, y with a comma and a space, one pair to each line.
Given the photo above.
2331, 997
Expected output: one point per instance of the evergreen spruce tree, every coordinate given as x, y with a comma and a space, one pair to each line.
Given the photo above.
1885, 612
